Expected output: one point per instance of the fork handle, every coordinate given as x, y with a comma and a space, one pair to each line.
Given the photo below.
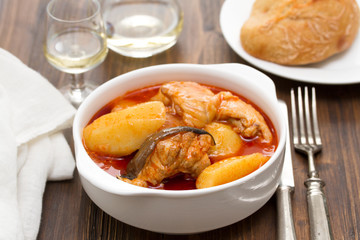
318, 213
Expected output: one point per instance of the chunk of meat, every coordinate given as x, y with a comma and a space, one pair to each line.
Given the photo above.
194, 103
181, 153
248, 121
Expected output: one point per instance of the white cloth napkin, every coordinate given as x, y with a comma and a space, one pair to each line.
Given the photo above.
32, 146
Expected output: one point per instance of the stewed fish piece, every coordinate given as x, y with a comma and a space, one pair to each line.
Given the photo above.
248, 121
194, 103
147, 147
185, 152
198, 106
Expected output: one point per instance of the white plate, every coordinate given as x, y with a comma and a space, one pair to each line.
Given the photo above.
343, 68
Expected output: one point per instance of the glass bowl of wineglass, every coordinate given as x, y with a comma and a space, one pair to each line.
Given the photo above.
75, 43
142, 28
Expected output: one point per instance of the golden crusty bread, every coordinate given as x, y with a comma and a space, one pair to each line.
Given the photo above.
296, 32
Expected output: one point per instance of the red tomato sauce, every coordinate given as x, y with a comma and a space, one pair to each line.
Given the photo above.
117, 165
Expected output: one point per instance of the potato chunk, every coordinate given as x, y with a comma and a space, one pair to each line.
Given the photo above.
230, 169
228, 142
122, 132
123, 104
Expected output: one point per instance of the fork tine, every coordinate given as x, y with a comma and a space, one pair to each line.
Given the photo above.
315, 121
294, 118
310, 137
301, 117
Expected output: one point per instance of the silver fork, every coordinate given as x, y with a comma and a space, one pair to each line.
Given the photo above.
308, 141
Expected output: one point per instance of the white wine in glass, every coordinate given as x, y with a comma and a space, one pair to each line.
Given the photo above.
75, 43
142, 28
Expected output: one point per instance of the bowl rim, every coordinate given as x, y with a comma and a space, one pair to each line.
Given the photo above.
234, 70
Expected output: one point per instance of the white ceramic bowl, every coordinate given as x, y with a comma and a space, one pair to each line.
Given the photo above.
188, 211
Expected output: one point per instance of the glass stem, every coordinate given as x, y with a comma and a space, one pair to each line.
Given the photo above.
77, 91
77, 82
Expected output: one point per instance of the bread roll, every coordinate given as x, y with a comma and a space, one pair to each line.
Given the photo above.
297, 32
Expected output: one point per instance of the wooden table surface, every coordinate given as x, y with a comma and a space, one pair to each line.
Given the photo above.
68, 213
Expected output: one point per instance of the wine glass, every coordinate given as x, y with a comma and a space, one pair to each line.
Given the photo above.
142, 28
75, 42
